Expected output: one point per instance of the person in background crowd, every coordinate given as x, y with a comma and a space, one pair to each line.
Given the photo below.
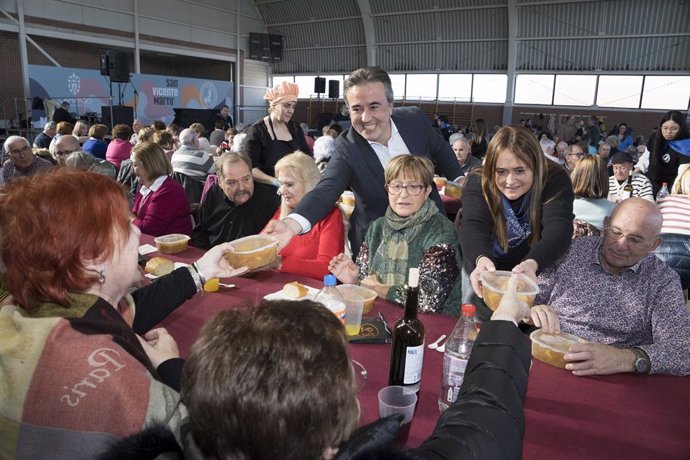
160, 206
308, 254
43, 140
624, 135
591, 188
234, 207
119, 148
324, 149
226, 145
642, 165
62, 147
200, 131
158, 125
217, 136
70, 333
379, 132
21, 161
633, 313
413, 233
81, 131
622, 167
516, 210
275, 135
666, 156
463, 152
173, 129
479, 140
307, 137
224, 116
190, 159
137, 126
86, 162
63, 129
62, 114
165, 140
573, 154
224, 385
593, 134
96, 146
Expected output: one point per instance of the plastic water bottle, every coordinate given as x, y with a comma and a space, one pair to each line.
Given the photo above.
663, 192
458, 350
331, 298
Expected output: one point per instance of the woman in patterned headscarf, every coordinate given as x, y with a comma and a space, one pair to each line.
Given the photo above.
275, 135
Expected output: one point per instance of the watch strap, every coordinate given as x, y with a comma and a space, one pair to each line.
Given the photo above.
642, 363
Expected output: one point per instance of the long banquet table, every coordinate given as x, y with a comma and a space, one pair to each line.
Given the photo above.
567, 417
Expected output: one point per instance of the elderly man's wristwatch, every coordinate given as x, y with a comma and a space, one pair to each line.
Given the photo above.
641, 365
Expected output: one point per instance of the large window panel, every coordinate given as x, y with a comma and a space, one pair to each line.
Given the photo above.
421, 86
619, 91
575, 90
280, 78
668, 93
490, 88
398, 84
534, 89
306, 86
452, 87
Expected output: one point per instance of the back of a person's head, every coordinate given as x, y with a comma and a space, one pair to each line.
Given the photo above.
188, 137
122, 131
268, 382
590, 177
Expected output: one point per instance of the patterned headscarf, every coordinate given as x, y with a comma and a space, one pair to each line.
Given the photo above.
282, 92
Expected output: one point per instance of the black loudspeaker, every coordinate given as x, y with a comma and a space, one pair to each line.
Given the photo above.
333, 89
319, 85
119, 67
105, 63
275, 45
122, 115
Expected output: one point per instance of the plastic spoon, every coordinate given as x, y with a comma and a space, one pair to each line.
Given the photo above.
435, 345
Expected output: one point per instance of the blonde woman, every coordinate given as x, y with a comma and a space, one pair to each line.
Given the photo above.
307, 254
591, 187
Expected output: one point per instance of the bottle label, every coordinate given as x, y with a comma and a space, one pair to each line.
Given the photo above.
414, 358
453, 375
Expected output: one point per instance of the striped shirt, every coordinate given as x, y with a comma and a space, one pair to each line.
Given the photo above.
675, 209
191, 162
642, 188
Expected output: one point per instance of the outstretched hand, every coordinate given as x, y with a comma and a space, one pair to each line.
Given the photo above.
213, 264
283, 231
344, 269
511, 304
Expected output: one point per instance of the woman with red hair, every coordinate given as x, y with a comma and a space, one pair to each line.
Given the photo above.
75, 373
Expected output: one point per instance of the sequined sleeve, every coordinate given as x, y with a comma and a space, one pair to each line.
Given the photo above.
362, 262
438, 272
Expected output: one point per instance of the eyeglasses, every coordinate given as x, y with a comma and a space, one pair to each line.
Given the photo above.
412, 189
579, 155
18, 152
633, 241
63, 152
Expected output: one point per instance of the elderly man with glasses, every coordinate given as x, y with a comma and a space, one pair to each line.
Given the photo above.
62, 148
21, 161
614, 293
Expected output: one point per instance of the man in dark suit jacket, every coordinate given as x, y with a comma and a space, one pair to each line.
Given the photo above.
378, 133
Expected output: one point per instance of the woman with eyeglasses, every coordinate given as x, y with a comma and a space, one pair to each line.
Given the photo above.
666, 152
412, 233
517, 210
275, 135
307, 254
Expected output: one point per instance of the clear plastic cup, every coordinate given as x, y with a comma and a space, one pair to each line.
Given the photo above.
397, 400
354, 305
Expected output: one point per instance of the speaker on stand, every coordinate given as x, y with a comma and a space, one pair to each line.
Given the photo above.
333, 89
319, 85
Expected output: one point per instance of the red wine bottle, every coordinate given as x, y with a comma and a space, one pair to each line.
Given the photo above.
407, 349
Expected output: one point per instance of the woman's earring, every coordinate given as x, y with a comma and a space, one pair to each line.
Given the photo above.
101, 277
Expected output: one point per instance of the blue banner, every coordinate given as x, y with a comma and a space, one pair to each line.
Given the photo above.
153, 96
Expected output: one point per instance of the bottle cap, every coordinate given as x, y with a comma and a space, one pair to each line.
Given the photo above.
330, 280
468, 309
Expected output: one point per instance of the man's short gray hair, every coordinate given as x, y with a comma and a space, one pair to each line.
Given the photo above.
188, 136
10, 140
50, 125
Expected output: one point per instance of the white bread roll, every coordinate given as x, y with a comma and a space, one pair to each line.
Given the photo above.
159, 266
295, 290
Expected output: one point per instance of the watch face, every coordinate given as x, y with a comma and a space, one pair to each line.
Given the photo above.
641, 365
